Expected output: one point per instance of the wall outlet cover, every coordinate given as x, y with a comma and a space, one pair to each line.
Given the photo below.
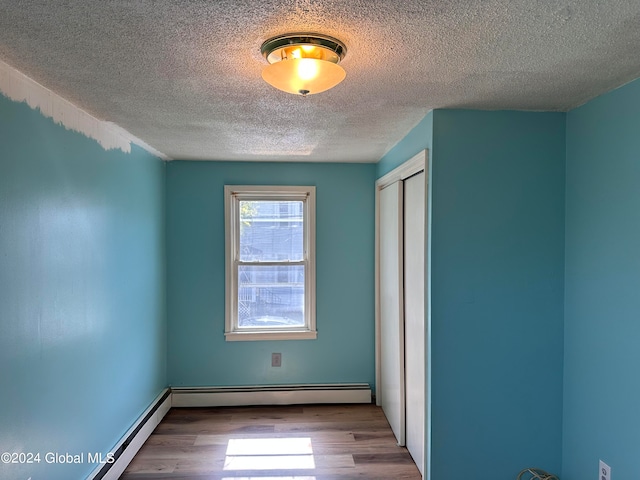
276, 359
604, 471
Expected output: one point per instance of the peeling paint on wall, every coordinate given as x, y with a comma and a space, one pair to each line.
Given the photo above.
20, 88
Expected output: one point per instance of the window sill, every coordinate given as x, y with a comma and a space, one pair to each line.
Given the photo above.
273, 335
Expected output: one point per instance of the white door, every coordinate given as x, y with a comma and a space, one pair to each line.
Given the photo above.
391, 388
402, 305
414, 315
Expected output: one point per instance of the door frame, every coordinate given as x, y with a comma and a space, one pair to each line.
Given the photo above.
417, 163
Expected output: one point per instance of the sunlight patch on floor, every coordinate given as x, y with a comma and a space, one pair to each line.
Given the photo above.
270, 478
270, 454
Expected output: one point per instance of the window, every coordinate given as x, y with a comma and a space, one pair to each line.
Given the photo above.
270, 262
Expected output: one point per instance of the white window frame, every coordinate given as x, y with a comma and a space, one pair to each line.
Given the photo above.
233, 194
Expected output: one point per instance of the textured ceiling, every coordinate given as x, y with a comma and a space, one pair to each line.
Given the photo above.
184, 76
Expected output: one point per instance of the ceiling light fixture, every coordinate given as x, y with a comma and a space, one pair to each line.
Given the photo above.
303, 63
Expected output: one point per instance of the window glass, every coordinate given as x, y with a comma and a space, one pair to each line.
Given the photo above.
270, 296
271, 231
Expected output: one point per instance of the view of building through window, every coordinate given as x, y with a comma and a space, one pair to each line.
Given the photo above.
270, 290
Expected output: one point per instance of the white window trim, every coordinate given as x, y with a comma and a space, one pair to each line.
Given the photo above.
232, 196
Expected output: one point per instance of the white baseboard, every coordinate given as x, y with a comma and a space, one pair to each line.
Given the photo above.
128, 446
270, 395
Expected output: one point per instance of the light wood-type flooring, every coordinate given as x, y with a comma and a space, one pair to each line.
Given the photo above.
314, 442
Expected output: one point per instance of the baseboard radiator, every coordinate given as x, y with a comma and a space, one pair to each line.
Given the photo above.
123, 452
270, 395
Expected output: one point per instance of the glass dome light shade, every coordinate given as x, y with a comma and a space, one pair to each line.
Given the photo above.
303, 76
303, 63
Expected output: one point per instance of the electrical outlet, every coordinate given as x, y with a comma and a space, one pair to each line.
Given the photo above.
604, 471
276, 361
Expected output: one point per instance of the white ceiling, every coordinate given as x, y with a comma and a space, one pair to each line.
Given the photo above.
184, 76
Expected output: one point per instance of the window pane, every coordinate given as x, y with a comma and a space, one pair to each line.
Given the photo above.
271, 231
270, 296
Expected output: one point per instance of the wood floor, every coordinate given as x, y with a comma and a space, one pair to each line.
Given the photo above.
315, 442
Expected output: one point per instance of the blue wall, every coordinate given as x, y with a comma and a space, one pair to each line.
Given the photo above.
344, 350
419, 138
497, 289
82, 308
602, 319
497, 292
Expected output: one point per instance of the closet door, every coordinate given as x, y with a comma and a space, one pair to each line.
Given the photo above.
392, 389
414, 315
402, 305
